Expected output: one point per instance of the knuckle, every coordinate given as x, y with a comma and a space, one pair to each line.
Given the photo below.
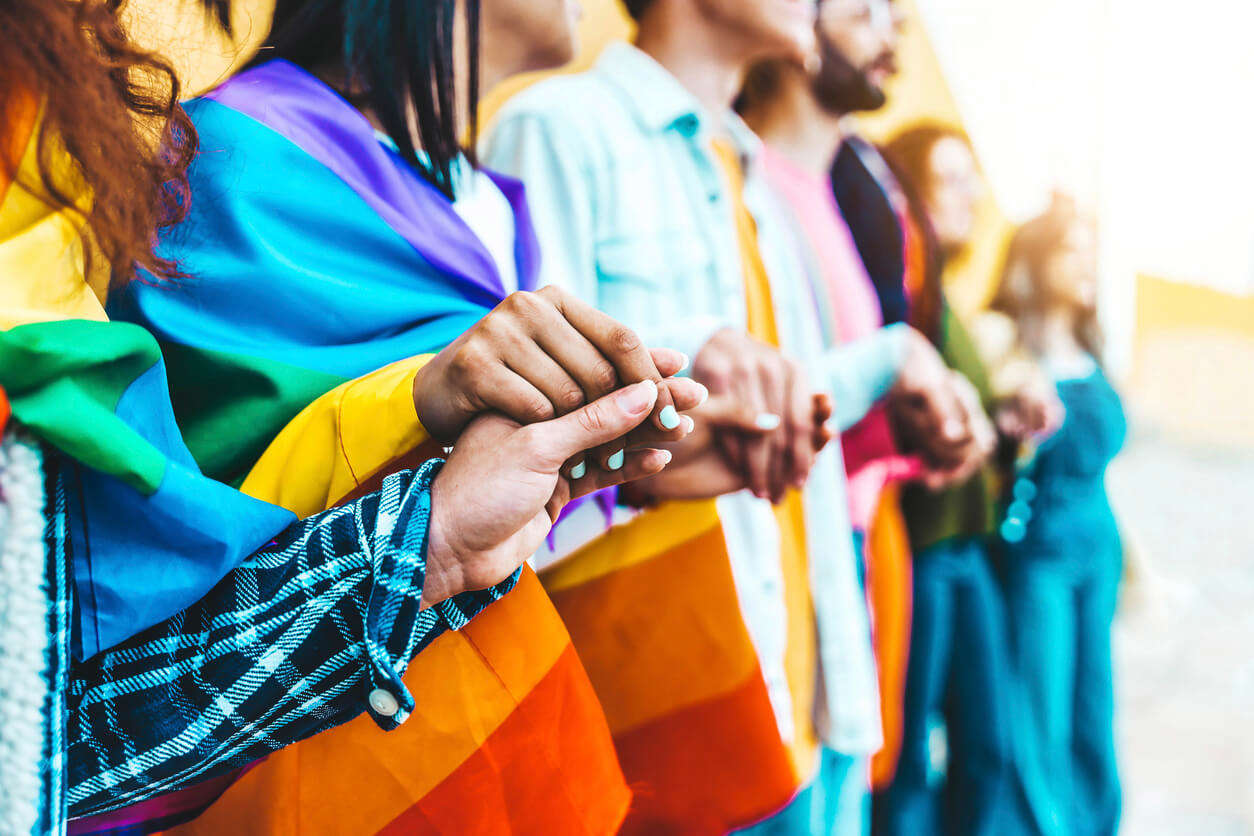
624, 340
522, 302
592, 419
537, 409
604, 376
551, 293
469, 359
570, 397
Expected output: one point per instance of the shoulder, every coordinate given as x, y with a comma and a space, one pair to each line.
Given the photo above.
581, 105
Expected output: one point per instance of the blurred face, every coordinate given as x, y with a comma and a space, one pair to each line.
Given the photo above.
954, 188
1072, 270
529, 35
770, 28
857, 41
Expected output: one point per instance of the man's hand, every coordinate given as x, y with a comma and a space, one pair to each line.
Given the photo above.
981, 439
502, 488
927, 415
541, 355
772, 388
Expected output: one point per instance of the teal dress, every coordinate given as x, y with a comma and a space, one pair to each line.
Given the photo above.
1063, 560
956, 751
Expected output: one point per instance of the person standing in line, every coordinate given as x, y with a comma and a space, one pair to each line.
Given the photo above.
955, 770
649, 198
801, 118
1063, 547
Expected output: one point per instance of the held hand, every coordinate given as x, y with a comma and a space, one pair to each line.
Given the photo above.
699, 469
773, 389
924, 406
981, 439
537, 356
502, 488
1034, 411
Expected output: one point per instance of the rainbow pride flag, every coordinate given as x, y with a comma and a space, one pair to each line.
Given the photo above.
325, 268
151, 533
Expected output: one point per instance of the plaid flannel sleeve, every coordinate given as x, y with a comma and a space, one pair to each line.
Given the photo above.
305, 635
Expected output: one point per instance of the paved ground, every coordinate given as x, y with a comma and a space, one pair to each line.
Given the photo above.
1185, 650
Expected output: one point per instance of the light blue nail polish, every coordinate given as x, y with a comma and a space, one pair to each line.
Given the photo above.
578, 471
669, 417
615, 461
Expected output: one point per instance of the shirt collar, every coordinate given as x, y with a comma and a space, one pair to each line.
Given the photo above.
748, 145
655, 97
660, 102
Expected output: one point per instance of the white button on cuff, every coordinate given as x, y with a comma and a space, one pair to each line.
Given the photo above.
383, 703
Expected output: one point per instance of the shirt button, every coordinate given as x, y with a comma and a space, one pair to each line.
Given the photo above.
384, 703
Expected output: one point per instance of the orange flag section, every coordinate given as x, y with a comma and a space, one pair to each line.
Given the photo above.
23, 110
506, 738
889, 588
652, 610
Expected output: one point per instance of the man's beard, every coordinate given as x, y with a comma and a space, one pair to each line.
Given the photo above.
840, 87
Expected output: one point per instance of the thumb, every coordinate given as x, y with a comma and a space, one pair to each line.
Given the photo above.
600, 422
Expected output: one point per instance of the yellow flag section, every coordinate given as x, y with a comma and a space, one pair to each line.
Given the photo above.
39, 239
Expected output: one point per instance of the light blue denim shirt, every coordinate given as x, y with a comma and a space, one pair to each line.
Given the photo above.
633, 213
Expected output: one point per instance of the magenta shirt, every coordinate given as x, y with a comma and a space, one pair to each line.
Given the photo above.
871, 456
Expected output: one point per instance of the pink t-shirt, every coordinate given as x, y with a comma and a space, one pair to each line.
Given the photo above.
871, 456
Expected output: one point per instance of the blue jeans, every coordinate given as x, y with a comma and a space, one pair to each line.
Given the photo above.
956, 749
1060, 612
836, 803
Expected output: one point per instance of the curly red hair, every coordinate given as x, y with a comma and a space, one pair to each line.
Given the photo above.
114, 108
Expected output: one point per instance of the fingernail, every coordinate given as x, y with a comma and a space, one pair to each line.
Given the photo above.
578, 471
638, 398
705, 393
689, 424
669, 417
666, 457
615, 461
686, 361
767, 421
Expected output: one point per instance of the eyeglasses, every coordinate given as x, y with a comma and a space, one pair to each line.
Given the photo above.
876, 13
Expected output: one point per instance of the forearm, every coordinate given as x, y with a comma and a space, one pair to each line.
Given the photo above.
860, 373
306, 635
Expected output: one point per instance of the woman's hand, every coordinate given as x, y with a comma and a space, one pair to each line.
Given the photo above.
538, 356
700, 468
501, 489
1034, 410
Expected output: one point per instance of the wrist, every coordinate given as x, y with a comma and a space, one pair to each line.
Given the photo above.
443, 577
430, 393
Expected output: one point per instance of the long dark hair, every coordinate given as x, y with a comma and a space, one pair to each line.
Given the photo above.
398, 59
909, 156
1024, 291
109, 106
